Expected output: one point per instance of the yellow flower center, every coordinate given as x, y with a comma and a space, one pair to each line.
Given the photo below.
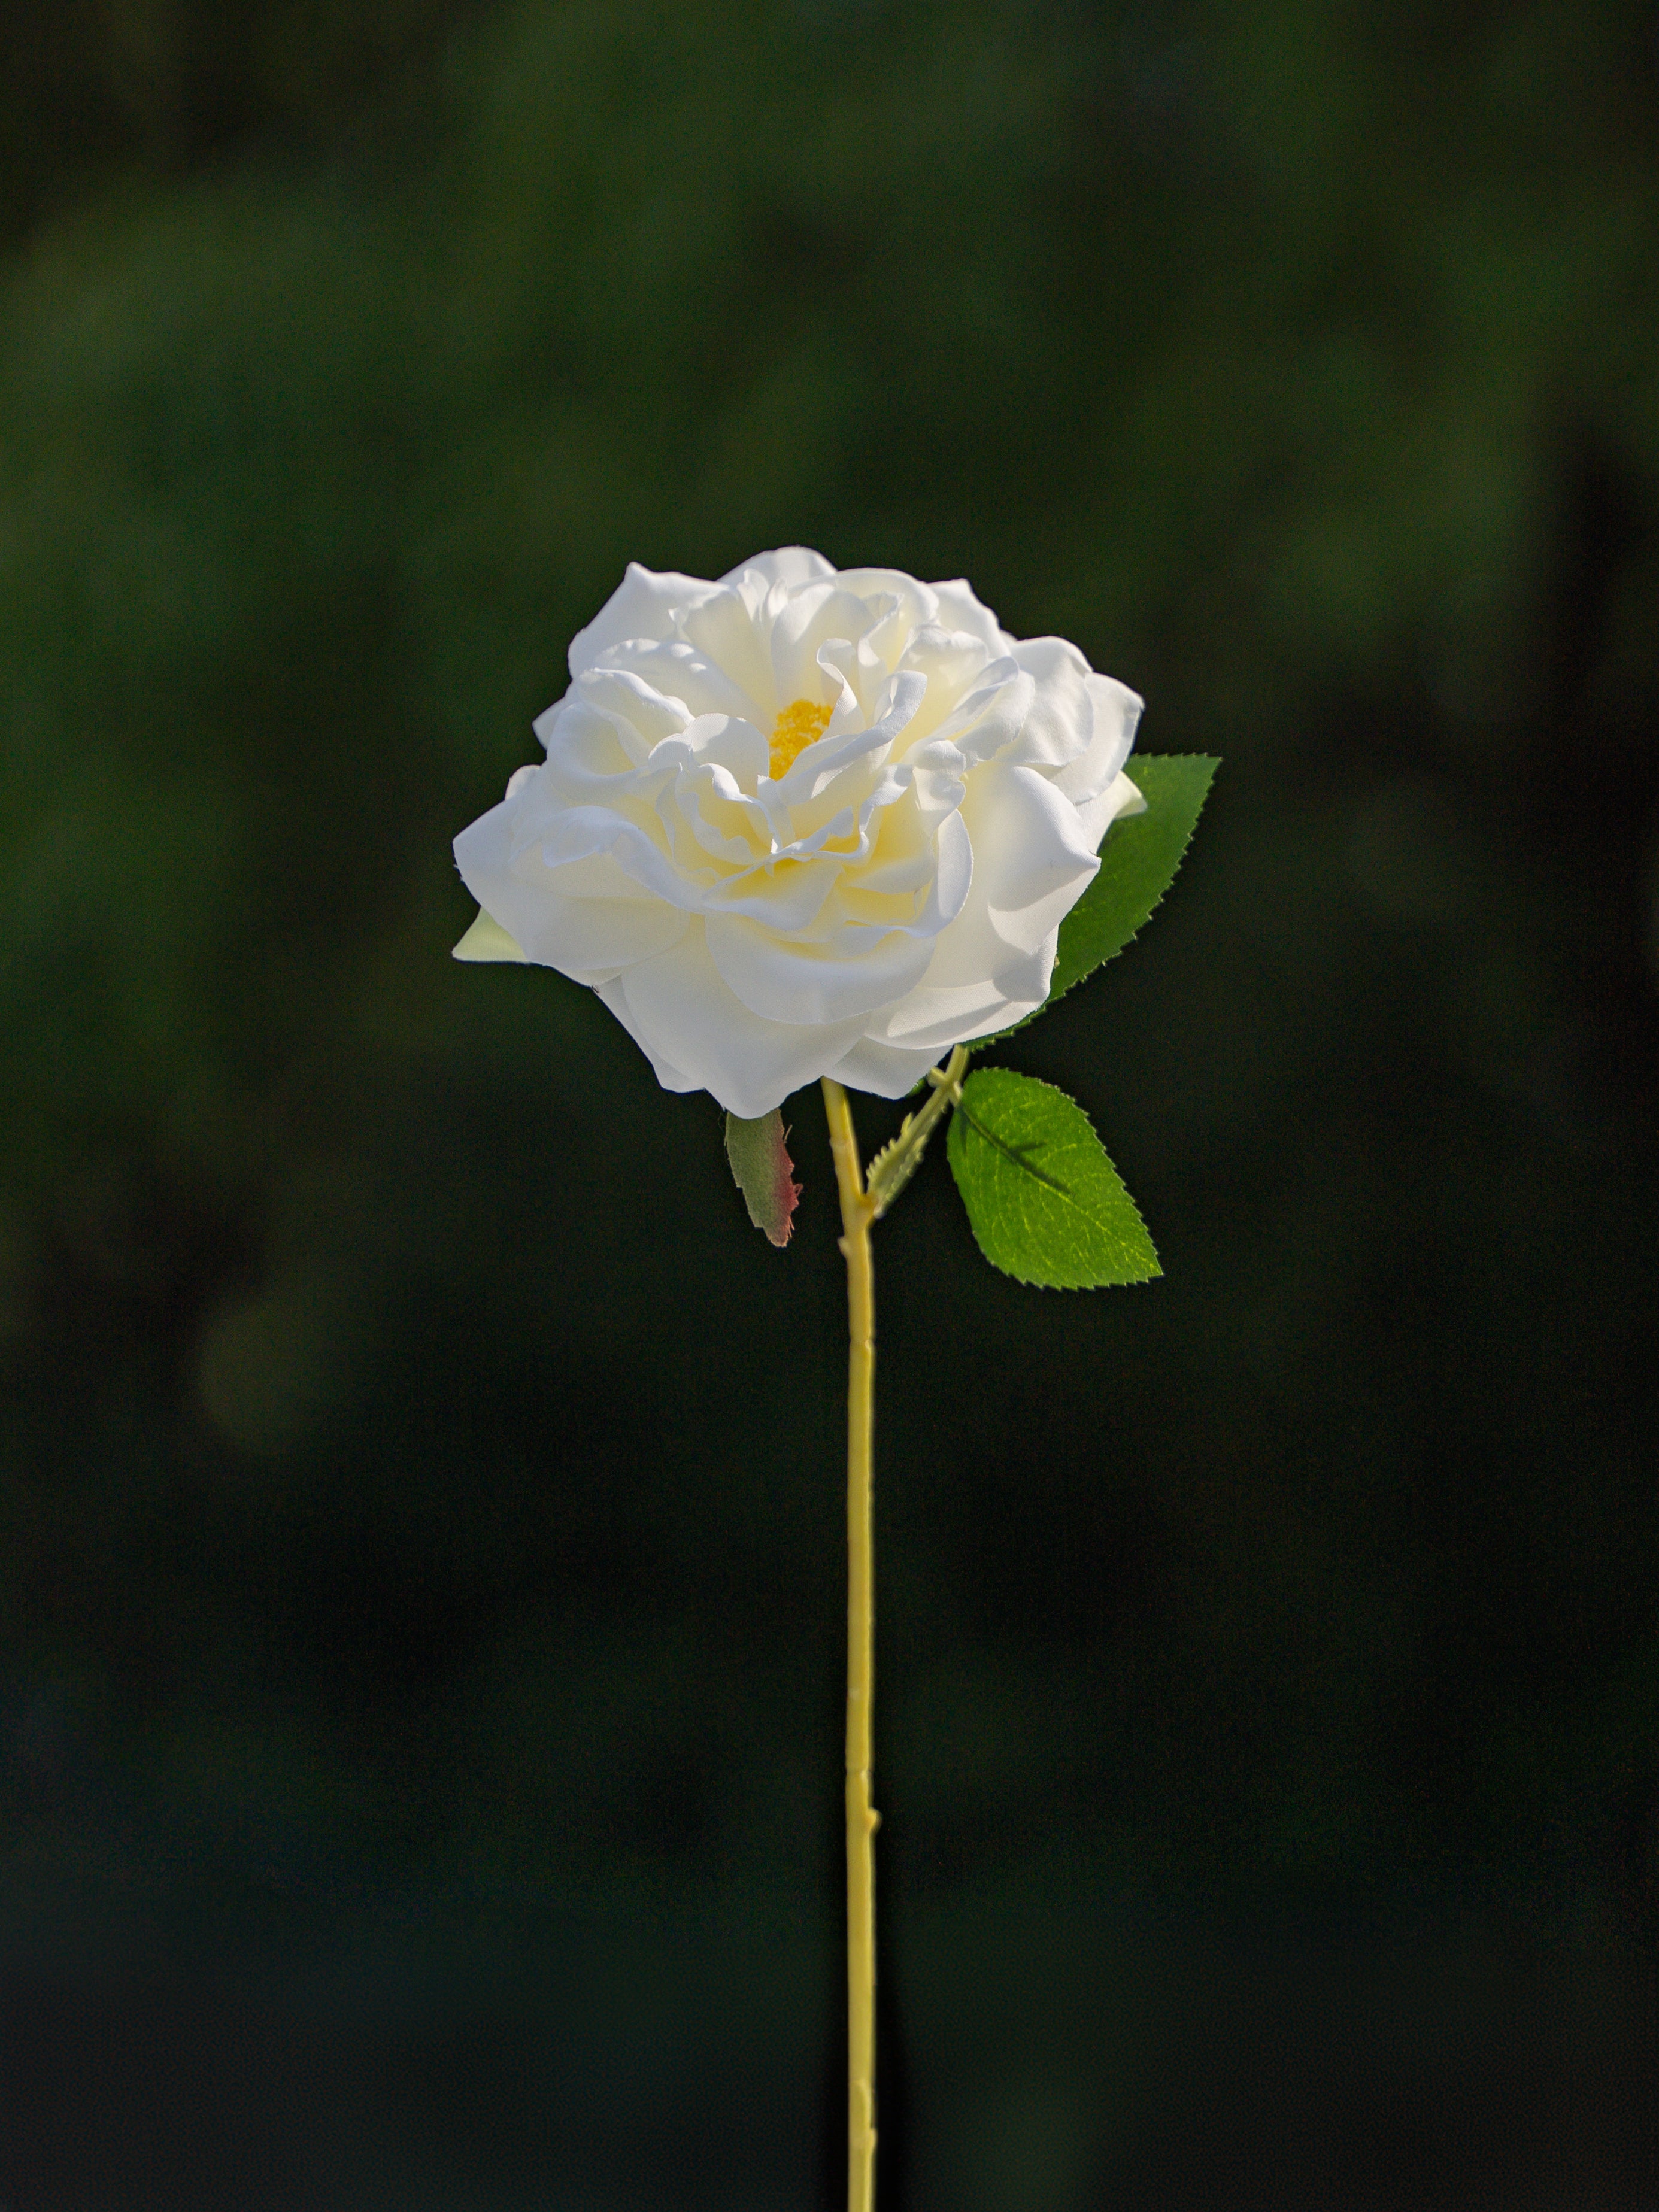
796, 728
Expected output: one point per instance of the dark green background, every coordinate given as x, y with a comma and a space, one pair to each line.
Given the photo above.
420, 1573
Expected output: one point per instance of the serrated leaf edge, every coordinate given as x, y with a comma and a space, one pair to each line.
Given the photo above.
1054, 997
1030, 1282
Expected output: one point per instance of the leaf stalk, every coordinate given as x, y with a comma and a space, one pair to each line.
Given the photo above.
894, 1165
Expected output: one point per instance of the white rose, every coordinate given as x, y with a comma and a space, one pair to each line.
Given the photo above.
802, 822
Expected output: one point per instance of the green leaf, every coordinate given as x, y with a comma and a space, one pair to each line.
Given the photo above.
1046, 1204
1138, 864
765, 1172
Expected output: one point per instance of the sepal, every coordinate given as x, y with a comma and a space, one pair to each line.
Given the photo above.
488, 940
764, 1173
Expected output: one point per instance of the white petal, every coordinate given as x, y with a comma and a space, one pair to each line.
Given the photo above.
862, 678
1032, 858
644, 604
960, 607
811, 617
885, 1071
679, 669
955, 849
596, 851
790, 980
636, 709
727, 741
725, 633
612, 994
991, 966
908, 606
1060, 720
582, 937
687, 1017
776, 899
988, 721
789, 564
706, 799
936, 1015
1114, 710
954, 664
1120, 797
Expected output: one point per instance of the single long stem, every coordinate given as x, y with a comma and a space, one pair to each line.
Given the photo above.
858, 1210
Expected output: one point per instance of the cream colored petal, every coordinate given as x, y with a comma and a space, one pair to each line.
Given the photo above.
644, 604
1060, 720
885, 1071
777, 898
1114, 712
723, 631
610, 994
914, 604
1120, 797
991, 964
724, 821
635, 707
584, 936
679, 670
812, 617
731, 742
1032, 858
790, 565
936, 1015
960, 607
789, 980
686, 1016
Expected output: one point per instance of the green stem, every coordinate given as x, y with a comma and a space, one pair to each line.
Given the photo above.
861, 1207
858, 1210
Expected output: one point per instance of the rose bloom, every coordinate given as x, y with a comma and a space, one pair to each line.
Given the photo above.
803, 822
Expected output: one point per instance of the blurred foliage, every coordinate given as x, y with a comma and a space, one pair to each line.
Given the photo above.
421, 1481
96, 91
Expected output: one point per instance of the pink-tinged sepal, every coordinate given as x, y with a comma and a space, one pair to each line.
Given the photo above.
765, 1172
